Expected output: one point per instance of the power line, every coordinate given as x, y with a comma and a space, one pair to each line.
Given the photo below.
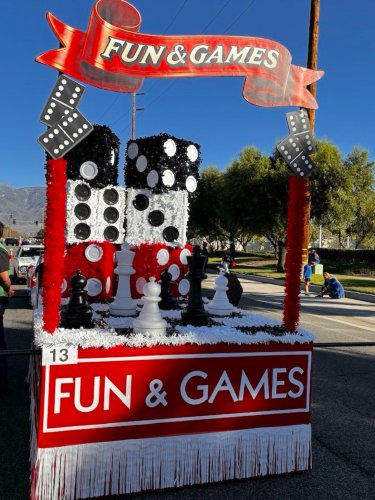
216, 16
239, 16
175, 16
110, 106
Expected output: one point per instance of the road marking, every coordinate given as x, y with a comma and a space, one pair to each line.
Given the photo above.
347, 323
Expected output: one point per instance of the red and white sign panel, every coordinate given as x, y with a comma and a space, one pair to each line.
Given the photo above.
96, 395
112, 55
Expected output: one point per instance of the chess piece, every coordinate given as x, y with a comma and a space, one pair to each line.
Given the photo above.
234, 292
124, 305
195, 313
150, 320
220, 305
167, 301
77, 313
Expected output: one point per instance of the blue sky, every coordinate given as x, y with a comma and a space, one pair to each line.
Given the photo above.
209, 111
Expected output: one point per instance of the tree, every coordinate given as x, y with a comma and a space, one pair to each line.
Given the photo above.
361, 171
205, 208
40, 233
332, 200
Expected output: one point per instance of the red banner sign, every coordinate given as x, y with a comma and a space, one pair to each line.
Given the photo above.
112, 55
97, 395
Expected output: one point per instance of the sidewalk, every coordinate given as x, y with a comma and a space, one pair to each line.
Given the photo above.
366, 297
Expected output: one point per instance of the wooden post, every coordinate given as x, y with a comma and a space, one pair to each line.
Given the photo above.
133, 116
312, 63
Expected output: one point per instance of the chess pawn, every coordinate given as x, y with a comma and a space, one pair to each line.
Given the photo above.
167, 301
124, 305
220, 305
77, 313
149, 319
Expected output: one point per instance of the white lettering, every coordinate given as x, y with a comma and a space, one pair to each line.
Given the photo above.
256, 56
109, 387
236, 55
216, 56
224, 384
127, 57
276, 383
245, 383
113, 46
272, 55
296, 382
202, 388
77, 395
198, 54
59, 395
153, 53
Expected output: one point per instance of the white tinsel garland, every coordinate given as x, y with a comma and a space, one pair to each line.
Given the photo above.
226, 332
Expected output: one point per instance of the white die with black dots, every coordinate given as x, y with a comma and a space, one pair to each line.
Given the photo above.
94, 214
156, 218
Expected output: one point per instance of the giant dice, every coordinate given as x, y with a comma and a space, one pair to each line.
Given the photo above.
95, 159
156, 218
96, 262
152, 259
162, 163
94, 214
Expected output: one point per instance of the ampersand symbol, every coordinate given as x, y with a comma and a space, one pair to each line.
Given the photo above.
177, 56
155, 398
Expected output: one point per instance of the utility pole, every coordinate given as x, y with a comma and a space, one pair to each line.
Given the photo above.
312, 55
312, 63
134, 109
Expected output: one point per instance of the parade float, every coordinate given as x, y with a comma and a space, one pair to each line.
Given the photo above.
143, 384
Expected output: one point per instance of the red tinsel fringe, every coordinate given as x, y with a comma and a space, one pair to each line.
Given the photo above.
54, 240
298, 205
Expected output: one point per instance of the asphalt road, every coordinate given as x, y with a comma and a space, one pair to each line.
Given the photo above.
343, 407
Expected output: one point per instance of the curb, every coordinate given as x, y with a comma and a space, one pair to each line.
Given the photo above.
366, 297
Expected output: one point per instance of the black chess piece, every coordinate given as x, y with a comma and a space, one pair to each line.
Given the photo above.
167, 302
234, 292
77, 312
195, 313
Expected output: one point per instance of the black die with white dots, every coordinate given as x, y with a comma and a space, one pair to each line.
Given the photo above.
162, 163
95, 159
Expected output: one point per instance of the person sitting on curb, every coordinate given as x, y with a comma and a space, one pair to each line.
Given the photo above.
307, 272
332, 287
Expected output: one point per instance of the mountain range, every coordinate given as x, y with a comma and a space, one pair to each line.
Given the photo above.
25, 206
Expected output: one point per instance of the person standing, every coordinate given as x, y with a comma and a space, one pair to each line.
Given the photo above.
6, 290
307, 272
314, 257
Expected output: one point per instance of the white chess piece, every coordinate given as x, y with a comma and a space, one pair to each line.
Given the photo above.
220, 305
124, 305
150, 319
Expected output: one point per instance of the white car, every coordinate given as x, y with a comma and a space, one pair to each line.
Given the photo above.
34, 282
26, 255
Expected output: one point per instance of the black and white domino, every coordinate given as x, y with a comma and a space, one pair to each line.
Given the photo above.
299, 126
65, 96
65, 134
295, 156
